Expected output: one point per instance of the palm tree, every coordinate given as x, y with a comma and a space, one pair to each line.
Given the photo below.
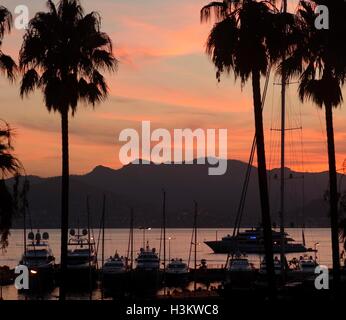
63, 55
7, 65
9, 165
242, 41
319, 61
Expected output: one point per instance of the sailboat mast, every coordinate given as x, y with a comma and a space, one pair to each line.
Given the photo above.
195, 243
164, 228
164, 237
89, 249
24, 217
131, 241
103, 241
282, 169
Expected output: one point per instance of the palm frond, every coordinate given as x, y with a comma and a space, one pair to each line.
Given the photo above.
5, 21
8, 66
217, 8
29, 82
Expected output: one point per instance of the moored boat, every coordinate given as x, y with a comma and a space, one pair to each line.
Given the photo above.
114, 275
240, 264
277, 266
251, 241
241, 272
81, 260
148, 260
114, 265
307, 264
177, 272
146, 277
40, 261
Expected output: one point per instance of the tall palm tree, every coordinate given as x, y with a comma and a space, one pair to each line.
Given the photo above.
242, 42
319, 61
9, 165
63, 55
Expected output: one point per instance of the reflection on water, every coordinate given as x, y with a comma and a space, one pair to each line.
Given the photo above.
177, 247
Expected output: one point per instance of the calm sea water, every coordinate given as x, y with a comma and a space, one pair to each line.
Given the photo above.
116, 240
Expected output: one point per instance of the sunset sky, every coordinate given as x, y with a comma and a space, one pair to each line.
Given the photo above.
164, 76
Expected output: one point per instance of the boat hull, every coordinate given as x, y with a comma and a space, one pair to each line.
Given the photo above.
144, 282
176, 279
115, 284
232, 247
81, 278
41, 278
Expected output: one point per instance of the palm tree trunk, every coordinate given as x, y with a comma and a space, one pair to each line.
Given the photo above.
333, 196
64, 202
262, 180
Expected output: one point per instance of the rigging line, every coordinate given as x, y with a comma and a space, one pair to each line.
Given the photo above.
271, 126
303, 166
160, 245
249, 167
98, 237
190, 251
248, 174
128, 249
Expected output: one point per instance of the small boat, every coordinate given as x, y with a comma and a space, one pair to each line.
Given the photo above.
277, 266
307, 264
177, 272
177, 266
241, 273
81, 260
114, 275
114, 265
148, 260
39, 259
303, 268
240, 264
146, 278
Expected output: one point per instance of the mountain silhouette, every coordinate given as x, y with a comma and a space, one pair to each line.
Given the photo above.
140, 187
